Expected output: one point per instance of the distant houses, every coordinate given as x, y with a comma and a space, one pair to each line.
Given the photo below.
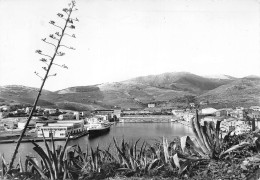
255, 108
255, 115
151, 105
5, 108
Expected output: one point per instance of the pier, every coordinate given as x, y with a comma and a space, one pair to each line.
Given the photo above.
146, 118
14, 139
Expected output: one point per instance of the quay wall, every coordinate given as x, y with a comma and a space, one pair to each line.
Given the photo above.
146, 118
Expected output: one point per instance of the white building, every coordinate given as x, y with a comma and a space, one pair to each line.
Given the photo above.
66, 116
56, 131
60, 129
208, 111
178, 112
255, 108
151, 105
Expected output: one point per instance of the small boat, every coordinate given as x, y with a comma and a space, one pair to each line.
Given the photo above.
97, 126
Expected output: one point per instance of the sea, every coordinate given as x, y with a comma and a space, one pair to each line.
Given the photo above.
130, 132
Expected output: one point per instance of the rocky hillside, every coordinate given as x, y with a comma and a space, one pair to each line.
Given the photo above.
167, 88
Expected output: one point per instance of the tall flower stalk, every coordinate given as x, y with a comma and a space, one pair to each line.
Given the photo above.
48, 60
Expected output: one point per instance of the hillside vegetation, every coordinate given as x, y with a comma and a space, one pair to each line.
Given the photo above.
167, 88
243, 92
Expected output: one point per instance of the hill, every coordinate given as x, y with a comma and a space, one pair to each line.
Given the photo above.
220, 76
181, 81
168, 89
242, 92
25, 95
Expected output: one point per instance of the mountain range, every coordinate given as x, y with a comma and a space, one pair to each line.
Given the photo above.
167, 90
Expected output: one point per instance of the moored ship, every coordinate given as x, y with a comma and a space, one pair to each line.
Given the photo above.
97, 126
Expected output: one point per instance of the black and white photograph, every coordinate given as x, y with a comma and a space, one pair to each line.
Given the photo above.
130, 89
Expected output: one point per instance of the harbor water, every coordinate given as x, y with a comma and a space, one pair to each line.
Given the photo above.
149, 132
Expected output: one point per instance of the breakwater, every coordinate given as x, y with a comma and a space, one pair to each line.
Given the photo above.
146, 118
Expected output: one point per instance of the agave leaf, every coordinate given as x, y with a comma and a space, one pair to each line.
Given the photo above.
121, 153
135, 146
196, 147
158, 154
53, 146
46, 159
208, 132
159, 167
123, 169
66, 155
20, 165
60, 158
92, 159
123, 147
184, 166
183, 140
257, 143
26, 164
82, 156
235, 147
37, 168
47, 147
217, 149
65, 172
145, 162
200, 133
96, 159
194, 129
153, 151
110, 156
58, 150
43, 165
142, 149
206, 139
176, 161
4, 165
132, 162
165, 149
54, 157
171, 163
153, 164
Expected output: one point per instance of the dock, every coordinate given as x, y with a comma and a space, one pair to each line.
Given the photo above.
147, 119
25, 139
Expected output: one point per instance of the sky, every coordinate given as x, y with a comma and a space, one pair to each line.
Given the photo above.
118, 40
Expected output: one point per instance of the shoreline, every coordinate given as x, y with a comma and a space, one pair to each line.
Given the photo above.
147, 119
40, 139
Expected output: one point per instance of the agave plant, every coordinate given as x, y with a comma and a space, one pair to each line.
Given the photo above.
206, 145
134, 160
198, 151
54, 164
175, 155
208, 142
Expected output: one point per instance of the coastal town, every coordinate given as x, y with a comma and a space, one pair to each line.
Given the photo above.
129, 90
60, 124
